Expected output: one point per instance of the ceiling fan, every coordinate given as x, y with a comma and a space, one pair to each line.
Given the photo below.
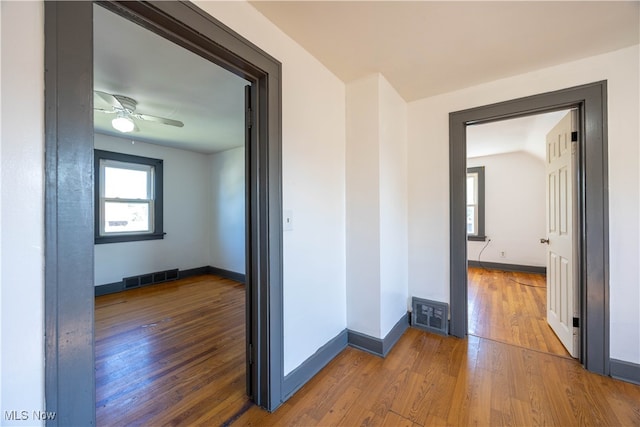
125, 110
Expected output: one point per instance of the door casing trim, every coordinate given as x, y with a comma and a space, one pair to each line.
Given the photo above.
69, 279
593, 214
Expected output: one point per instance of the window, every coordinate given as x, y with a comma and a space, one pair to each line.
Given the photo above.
475, 203
128, 197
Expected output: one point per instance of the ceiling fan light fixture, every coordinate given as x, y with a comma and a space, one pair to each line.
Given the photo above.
123, 124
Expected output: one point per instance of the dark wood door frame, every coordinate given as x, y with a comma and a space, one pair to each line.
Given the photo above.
593, 235
69, 281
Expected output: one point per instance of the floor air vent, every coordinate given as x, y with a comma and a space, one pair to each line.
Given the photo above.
431, 316
150, 279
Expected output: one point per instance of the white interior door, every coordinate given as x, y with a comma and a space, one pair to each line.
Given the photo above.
562, 289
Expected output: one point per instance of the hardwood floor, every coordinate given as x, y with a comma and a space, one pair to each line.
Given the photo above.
176, 367
510, 307
431, 380
171, 354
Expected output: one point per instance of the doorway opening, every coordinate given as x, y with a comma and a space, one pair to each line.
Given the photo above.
507, 225
69, 227
168, 346
592, 209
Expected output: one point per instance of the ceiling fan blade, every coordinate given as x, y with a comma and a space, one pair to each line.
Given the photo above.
102, 110
156, 119
109, 99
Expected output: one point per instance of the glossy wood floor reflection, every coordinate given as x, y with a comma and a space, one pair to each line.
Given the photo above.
510, 307
431, 380
173, 355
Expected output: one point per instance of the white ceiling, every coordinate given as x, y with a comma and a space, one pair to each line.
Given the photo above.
167, 81
422, 47
425, 48
527, 134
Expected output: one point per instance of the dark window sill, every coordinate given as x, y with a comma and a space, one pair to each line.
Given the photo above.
477, 238
128, 238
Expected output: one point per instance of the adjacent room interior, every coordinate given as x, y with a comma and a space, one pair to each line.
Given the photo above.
170, 198
507, 220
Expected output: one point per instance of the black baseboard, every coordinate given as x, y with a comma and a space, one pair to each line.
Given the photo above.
625, 371
379, 346
109, 288
310, 367
238, 277
508, 267
191, 272
112, 288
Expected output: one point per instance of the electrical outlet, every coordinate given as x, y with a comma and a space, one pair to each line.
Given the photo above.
503, 254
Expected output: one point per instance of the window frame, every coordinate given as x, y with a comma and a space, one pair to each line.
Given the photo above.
479, 236
156, 204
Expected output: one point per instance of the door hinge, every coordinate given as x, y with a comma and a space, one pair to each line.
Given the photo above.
249, 118
576, 322
574, 136
250, 354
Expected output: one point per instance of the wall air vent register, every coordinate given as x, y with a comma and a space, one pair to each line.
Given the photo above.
432, 316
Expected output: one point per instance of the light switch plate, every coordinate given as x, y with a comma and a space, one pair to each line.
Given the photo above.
287, 218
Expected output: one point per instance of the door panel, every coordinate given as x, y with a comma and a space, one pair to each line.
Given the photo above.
562, 301
551, 202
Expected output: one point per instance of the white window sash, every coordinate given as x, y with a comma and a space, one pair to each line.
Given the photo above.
104, 163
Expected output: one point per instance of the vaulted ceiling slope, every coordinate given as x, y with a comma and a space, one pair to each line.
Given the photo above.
424, 48
522, 134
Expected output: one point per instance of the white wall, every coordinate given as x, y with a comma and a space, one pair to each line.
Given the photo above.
429, 180
22, 208
228, 210
515, 205
363, 207
394, 290
313, 132
187, 216
377, 290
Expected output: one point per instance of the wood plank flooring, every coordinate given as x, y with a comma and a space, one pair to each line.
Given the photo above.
430, 380
172, 353
510, 307
162, 360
